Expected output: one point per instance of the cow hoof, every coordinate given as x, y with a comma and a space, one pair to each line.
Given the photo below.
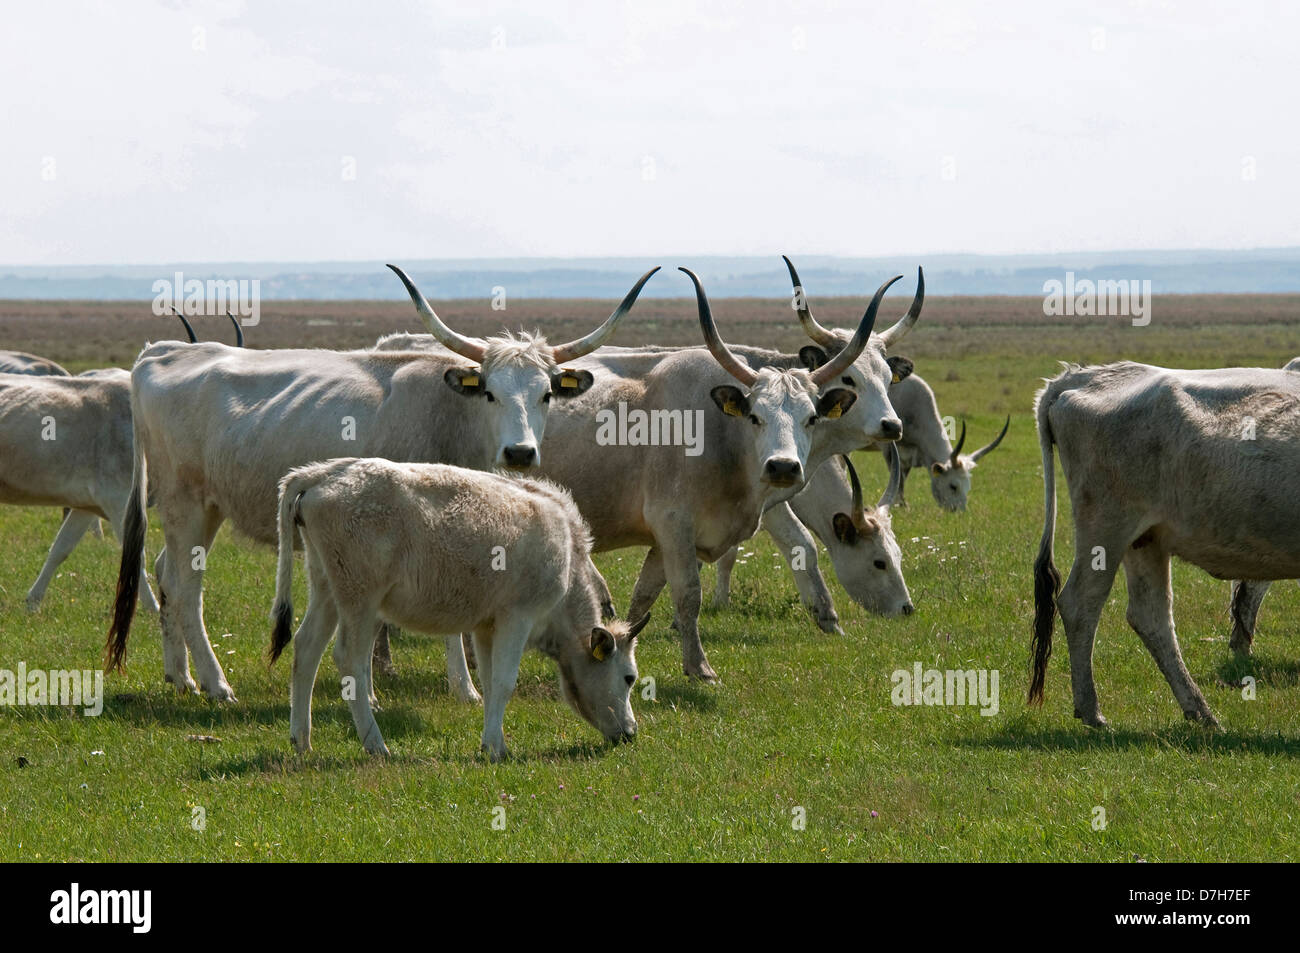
184, 684
702, 673
466, 694
378, 751
1240, 648
1205, 719
386, 668
222, 693
302, 747
33, 603
1095, 720
830, 624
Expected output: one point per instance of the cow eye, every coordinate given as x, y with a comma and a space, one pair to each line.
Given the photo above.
880, 564
546, 398
753, 420
490, 396
848, 380
812, 420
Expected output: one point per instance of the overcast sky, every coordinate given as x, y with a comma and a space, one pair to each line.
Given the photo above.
227, 131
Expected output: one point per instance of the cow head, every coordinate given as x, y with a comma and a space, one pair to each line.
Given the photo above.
950, 479
864, 551
869, 374
597, 676
783, 406
514, 377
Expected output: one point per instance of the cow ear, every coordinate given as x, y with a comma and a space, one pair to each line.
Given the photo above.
602, 643
845, 531
812, 357
730, 400
464, 380
833, 403
936, 469
901, 367
570, 383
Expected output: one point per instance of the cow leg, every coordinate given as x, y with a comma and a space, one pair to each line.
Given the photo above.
309, 642
1247, 596
903, 471
383, 660
96, 530
682, 570
793, 539
649, 584
357, 631
1151, 614
459, 682
183, 612
70, 532
1080, 604
506, 647
722, 588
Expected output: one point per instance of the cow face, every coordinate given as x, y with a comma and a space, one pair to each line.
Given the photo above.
868, 561
872, 418
782, 408
515, 391
950, 483
597, 679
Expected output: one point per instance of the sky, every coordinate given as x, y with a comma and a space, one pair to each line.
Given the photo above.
329, 131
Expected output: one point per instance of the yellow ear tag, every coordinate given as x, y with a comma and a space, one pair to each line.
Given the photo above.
567, 381
731, 409
834, 412
598, 650
897, 378
471, 381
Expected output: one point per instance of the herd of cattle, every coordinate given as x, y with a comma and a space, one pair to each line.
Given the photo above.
446, 484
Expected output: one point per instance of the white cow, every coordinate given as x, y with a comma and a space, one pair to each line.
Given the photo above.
19, 362
217, 427
66, 441
442, 549
1197, 464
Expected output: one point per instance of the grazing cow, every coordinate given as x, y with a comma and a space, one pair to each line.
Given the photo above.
697, 505
18, 362
860, 540
66, 441
442, 549
1196, 464
217, 427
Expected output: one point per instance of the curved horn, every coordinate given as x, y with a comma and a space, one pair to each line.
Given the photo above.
188, 330
820, 335
893, 335
853, 482
585, 345
994, 445
895, 477
961, 442
840, 362
465, 347
730, 363
239, 332
635, 629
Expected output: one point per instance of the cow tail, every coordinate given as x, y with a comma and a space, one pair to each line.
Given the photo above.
134, 525
1047, 580
292, 487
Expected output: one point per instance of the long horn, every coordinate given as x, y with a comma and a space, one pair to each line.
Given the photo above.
961, 442
188, 330
239, 332
840, 362
814, 330
994, 445
585, 345
730, 363
853, 482
899, 331
465, 347
895, 477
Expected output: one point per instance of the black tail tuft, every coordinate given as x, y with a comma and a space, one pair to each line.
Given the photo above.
1047, 586
283, 630
128, 583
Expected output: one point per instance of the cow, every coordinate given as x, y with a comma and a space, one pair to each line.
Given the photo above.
217, 427
66, 441
859, 539
19, 362
687, 506
1198, 464
442, 549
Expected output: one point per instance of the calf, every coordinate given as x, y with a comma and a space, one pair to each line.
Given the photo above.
441, 549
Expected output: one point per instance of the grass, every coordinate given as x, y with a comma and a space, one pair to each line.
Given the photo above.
801, 720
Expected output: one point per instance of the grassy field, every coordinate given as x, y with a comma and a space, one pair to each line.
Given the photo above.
801, 719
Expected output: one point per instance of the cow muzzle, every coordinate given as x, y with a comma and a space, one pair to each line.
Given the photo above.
782, 472
891, 428
519, 457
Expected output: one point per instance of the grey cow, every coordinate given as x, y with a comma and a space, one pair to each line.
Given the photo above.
1198, 464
